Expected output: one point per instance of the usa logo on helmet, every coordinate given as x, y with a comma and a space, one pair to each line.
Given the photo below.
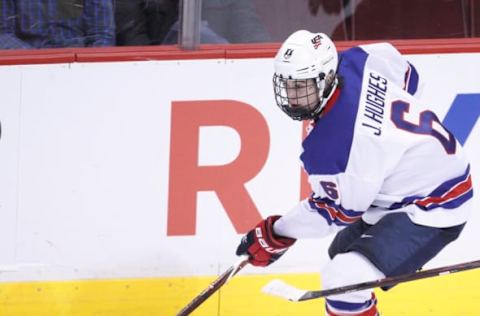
317, 41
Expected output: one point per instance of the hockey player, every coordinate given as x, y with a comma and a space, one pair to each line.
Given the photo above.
386, 176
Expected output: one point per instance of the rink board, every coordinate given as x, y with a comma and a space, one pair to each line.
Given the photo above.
452, 295
94, 149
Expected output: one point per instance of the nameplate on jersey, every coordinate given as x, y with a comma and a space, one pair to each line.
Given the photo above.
373, 103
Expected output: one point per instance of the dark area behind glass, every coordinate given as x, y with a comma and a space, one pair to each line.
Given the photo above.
27, 24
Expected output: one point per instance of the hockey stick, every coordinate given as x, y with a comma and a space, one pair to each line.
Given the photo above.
280, 288
213, 287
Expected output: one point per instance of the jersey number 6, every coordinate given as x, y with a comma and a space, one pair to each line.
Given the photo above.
330, 188
425, 125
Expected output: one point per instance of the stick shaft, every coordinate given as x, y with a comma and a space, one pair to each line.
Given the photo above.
213, 287
389, 281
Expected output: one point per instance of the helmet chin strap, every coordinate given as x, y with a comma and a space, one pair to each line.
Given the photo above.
327, 93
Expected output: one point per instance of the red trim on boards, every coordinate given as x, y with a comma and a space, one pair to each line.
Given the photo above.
37, 56
231, 51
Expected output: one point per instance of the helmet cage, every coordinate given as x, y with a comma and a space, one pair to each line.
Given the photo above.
301, 99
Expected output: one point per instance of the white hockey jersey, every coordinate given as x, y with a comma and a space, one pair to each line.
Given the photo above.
376, 150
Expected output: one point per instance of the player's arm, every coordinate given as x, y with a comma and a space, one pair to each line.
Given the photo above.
336, 201
272, 237
312, 218
322, 214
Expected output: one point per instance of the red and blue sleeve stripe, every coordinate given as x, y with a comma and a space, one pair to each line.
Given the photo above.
333, 213
449, 195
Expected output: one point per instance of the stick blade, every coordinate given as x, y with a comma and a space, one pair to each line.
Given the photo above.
284, 290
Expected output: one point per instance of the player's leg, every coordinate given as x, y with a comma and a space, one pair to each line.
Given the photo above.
339, 272
345, 269
395, 245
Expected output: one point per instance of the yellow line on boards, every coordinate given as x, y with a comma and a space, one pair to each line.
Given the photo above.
452, 295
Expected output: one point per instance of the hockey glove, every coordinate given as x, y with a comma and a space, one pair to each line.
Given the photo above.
262, 245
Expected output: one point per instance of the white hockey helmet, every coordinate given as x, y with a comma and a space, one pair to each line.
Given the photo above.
305, 74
